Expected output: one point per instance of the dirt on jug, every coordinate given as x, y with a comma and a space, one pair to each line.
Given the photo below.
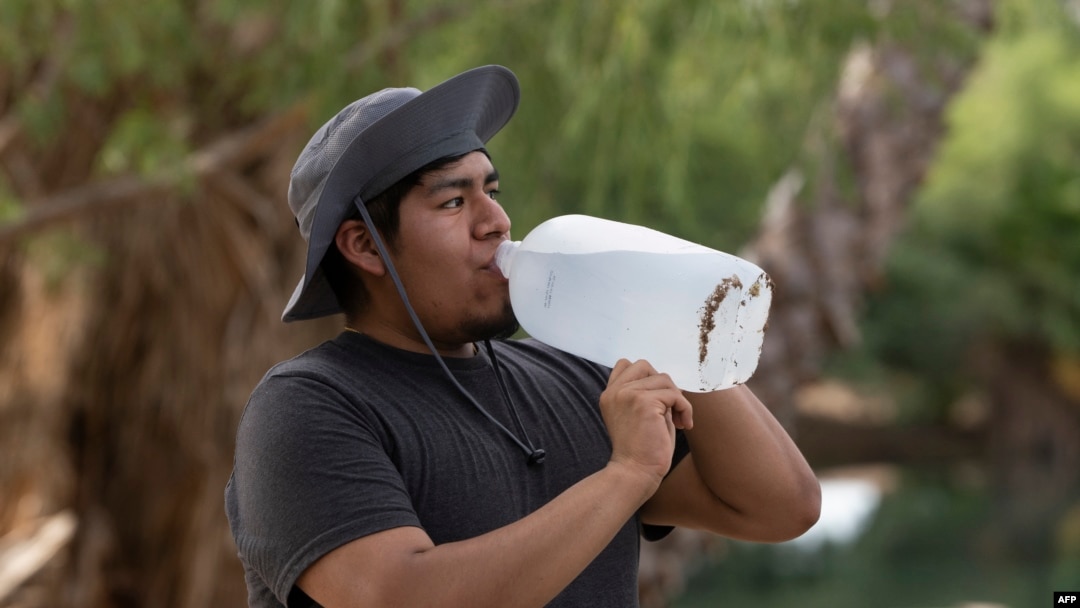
708, 314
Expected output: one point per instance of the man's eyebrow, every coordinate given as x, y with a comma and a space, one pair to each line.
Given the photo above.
460, 182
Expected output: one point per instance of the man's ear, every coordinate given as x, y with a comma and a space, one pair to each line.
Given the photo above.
356, 245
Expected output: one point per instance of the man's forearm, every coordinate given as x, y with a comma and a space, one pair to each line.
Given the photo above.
537, 557
750, 463
526, 563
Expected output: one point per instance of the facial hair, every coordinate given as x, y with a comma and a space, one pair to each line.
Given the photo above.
500, 327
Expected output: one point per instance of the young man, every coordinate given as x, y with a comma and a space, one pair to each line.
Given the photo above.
419, 459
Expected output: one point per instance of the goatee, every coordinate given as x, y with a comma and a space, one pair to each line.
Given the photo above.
501, 327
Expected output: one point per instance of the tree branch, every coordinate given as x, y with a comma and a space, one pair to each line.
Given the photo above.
230, 151
22, 559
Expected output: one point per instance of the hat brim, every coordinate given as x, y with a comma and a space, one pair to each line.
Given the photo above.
457, 116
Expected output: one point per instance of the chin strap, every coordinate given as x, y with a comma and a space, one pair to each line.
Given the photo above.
535, 456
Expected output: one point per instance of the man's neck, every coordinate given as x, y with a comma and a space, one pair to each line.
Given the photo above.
408, 340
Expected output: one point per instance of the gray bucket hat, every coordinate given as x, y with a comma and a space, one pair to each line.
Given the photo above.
376, 141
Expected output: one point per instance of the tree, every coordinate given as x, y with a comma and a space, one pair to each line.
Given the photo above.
982, 294
148, 252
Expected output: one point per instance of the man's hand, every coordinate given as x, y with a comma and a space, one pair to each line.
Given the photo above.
530, 561
642, 408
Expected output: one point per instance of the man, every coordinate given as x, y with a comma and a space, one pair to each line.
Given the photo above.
401, 464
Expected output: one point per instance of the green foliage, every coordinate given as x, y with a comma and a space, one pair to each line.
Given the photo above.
937, 540
144, 142
222, 63
994, 253
676, 115
56, 253
10, 207
933, 317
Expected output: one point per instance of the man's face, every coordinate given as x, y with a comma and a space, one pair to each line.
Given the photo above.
450, 227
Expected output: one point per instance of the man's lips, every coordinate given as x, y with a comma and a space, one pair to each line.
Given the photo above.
492, 266
494, 269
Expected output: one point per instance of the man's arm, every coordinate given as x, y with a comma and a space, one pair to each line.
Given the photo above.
744, 477
528, 562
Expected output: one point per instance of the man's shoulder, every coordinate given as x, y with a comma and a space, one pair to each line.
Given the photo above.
313, 389
313, 362
323, 373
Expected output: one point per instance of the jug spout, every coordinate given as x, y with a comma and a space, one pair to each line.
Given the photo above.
504, 256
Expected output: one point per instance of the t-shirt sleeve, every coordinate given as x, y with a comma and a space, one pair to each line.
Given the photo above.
311, 473
682, 448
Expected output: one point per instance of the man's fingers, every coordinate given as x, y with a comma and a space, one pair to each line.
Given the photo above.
625, 371
641, 377
682, 412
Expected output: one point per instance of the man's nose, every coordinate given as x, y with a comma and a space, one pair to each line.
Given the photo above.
493, 219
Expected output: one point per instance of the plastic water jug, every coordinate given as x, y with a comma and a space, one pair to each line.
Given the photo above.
605, 290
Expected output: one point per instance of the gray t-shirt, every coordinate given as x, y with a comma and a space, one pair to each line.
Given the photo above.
354, 437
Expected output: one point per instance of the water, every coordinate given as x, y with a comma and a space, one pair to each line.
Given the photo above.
904, 538
699, 317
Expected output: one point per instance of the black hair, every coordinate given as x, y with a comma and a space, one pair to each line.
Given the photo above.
384, 210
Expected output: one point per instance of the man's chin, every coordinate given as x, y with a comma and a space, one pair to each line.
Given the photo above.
501, 328
507, 332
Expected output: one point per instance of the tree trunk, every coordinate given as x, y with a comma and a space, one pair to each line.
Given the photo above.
825, 249
134, 381
1033, 442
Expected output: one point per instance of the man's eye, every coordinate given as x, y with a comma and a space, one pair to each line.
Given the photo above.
493, 194
454, 203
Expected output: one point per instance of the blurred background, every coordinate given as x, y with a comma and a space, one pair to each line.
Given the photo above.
908, 171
